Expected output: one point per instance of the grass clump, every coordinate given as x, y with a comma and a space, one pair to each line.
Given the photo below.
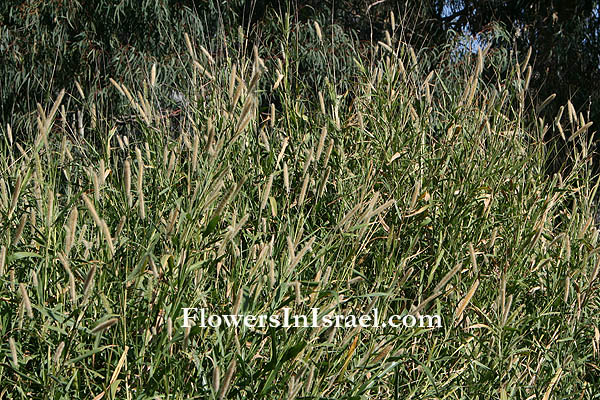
418, 189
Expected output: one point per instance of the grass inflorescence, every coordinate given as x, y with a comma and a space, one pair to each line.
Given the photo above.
419, 188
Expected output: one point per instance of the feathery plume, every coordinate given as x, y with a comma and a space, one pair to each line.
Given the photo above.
3, 193
9, 134
15, 195
127, 179
303, 190
96, 184
227, 381
2, 259
580, 131
286, 178
307, 162
202, 70
318, 31
324, 179
153, 75
272, 115
526, 61
442, 283
328, 153
89, 282
545, 103
207, 54
280, 77
20, 228
272, 273
322, 103
92, 210
236, 95
140, 180
473, 258
13, 351
48, 120
80, 90
385, 46
464, 302
254, 79
65, 262
216, 378
101, 327
301, 254
26, 301
188, 44
107, 236
195, 152
282, 151
58, 352
120, 226
321, 144
232, 77
266, 192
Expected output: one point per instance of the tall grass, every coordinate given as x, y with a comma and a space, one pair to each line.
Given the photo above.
419, 188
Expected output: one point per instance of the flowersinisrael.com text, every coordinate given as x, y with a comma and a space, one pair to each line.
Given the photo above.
201, 318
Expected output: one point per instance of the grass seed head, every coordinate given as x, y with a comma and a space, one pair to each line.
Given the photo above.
227, 380
195, 152
216, 379
272, 115
2, 259
302, 195
127, 182
89, 281
19, 230
318, 31
266, 192
153, 75
101, 327
58, 352
26, 301
91, 209
13, 351
188, 44
286, 178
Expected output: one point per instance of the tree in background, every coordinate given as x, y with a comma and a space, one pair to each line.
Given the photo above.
564, 37
87, 39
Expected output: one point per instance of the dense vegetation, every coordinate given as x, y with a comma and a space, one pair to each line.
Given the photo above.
300, 167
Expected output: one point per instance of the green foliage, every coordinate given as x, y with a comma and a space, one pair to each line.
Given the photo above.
303, 172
